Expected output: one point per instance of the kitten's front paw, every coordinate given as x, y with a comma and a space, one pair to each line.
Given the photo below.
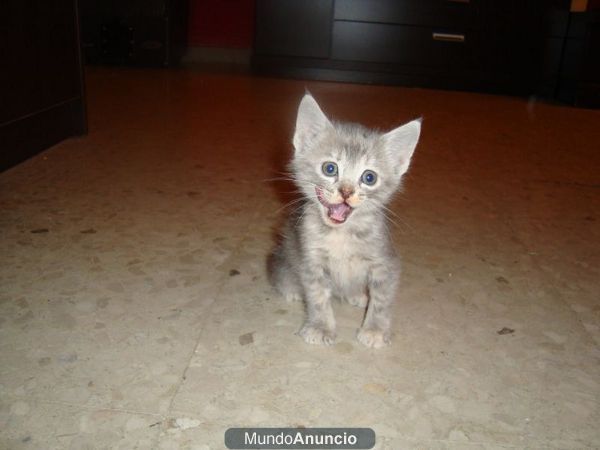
313, 334
373, 338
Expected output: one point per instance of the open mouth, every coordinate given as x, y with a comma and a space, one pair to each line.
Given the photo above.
338, 212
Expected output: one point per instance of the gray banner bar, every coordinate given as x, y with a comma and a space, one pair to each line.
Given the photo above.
299, 438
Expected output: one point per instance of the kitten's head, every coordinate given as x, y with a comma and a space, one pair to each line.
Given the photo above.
346, 169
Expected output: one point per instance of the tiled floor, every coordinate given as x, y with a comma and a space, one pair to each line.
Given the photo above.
134, 306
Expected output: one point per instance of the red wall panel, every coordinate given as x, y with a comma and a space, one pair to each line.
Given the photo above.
221, 23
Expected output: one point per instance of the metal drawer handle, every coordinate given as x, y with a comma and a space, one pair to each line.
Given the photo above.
448, 37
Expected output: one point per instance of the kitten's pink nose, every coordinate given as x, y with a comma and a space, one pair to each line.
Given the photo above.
346, 191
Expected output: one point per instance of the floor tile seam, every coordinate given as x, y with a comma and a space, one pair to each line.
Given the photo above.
207, 316
89, 408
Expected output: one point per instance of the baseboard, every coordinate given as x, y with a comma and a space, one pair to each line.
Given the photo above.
22, 138
214, 55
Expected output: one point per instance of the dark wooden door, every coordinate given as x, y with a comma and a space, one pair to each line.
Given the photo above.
41, 78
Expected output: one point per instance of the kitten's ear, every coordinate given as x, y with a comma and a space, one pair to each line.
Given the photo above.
309, 124
400, 144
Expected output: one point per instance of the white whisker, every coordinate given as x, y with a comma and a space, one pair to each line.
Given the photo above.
288, 204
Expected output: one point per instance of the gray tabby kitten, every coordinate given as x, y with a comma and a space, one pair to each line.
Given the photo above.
336, 245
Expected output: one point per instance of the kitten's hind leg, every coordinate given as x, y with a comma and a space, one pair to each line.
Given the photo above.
290, 289
360, 301
283, 278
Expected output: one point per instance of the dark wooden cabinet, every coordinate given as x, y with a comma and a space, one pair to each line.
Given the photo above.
402, 45
134, 32
579, 75
41, 80
489, 45
436, 13
294, 28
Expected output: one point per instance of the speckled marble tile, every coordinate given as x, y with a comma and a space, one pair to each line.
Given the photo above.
134, 305
30, 424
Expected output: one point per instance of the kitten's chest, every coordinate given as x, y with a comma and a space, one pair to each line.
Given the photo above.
340, 247
347, 259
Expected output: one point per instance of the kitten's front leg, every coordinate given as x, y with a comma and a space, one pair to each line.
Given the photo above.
375, 330
319, 327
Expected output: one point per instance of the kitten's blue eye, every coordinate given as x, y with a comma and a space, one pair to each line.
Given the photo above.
330, 169
369, 177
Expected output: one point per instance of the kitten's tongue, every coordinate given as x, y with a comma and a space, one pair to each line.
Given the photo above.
339, 212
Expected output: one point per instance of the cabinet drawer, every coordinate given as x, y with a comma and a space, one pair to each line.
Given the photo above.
442, 13
397, 44
293, 28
